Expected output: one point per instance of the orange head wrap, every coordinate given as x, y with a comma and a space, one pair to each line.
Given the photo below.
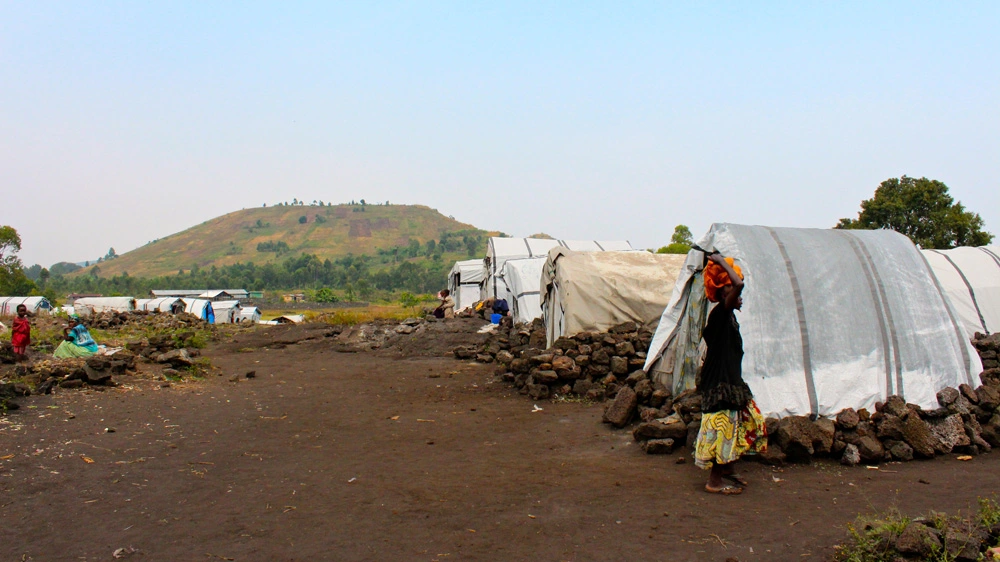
716, 277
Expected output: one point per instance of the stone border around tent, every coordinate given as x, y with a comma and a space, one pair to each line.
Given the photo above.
608, 366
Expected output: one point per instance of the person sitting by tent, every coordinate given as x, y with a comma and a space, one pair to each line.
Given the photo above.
501, 307
78, 342
731, 423
447, 307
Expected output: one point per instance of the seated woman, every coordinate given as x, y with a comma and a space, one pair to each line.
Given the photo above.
78, 341
447, 308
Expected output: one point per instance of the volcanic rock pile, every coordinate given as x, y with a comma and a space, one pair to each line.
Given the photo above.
588, 364
602, 366
41, 377
157, 320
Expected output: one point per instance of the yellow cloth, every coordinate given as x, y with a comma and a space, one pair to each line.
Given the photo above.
727, 435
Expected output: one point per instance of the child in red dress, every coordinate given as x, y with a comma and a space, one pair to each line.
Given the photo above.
21, 334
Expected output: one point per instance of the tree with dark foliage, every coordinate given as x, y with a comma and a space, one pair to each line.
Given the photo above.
922, 210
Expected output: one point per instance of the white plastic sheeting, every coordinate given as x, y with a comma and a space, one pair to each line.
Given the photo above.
499, 250
971, 277
8, 305
464, 281
520, 279
226, 312
249, 314
200, 308
593, 291
831, 319
290, 319
165, 304
96, 305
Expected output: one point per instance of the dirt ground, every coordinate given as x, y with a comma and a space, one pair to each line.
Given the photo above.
332, 455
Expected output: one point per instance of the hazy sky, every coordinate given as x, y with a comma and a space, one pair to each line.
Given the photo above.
124, 122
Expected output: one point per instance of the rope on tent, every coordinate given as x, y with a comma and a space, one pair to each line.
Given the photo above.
803, 327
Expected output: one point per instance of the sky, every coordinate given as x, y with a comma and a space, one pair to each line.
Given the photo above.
123, 122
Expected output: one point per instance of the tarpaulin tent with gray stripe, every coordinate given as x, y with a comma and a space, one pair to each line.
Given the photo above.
971, 278
831, 319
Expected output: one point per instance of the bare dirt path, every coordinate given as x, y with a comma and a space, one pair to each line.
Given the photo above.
361, 456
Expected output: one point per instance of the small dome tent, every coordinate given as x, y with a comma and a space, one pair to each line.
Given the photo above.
464, 281
831, 319
226, 312
8, 305
200, 308
593, 291
971, 278
249, 314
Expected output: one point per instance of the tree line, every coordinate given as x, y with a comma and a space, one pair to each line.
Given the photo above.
349, 274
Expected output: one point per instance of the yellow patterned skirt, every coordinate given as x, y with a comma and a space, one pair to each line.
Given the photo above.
727, 435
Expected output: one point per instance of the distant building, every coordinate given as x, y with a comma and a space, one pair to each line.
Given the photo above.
71, 298
256, 295
207, 294
297, 297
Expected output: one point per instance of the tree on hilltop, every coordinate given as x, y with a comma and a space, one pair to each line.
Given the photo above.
922, 210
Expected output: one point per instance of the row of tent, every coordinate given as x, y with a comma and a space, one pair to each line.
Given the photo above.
832, 318
218, 312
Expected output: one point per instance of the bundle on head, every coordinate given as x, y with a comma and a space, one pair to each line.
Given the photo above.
716, 278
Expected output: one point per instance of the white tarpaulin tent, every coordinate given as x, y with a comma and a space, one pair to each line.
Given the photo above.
831, 319
200, 308
165, 304
593, 291
249, 314
464, 281
971, 277
226, 312
8, 305
499, 250
96, 305
520, 280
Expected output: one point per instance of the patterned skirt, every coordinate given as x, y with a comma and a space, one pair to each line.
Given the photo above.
727, 435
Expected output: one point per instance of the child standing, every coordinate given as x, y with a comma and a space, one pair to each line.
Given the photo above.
20, 336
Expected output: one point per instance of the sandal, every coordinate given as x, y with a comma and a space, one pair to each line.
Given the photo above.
738, 479
727, 490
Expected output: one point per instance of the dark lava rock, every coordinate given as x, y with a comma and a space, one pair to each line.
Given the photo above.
848, 419
658, 446
620, 412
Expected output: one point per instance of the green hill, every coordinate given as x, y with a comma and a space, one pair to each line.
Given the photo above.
272, 234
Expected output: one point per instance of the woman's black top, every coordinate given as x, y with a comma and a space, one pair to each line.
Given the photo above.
721, 384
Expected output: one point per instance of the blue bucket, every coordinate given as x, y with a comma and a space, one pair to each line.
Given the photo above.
495, 318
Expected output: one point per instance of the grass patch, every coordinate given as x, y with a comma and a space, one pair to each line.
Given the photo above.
201, 367
372, 313
873, 538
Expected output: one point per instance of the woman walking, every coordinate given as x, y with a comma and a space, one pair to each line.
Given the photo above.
731, 423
